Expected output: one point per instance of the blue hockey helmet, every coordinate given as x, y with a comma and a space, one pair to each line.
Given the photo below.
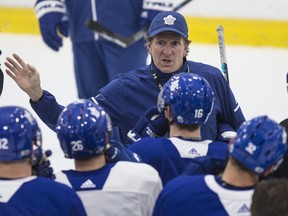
259, 143
18, 130
189, 96
81, 129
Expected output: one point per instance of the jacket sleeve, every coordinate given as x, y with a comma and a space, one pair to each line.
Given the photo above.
48, 109
231, 110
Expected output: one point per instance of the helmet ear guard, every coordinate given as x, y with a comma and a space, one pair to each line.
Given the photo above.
18, 131
260, 143
82, 129
190, 97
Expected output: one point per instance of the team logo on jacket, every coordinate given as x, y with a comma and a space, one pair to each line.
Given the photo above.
88, 184
243, 208
193, 151
169, 20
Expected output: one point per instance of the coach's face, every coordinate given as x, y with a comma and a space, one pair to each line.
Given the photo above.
167, 50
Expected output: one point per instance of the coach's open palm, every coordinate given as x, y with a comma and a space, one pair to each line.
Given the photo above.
25, 75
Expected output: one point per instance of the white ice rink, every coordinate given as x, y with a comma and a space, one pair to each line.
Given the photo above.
257, 78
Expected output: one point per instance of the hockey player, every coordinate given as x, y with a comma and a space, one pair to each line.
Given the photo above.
215, 164
122, 188
282, 171
187, 100
20, 192
130, 95
96, 60
256, 151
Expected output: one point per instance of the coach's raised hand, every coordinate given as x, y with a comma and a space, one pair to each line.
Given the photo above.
25, 75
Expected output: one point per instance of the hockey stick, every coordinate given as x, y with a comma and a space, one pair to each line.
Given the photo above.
1, 78
222, 50
121, 40
114, 37
1, 81
287, 80
284, 122
181, 5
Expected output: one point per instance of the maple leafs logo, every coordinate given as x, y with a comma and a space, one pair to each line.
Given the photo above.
169, 20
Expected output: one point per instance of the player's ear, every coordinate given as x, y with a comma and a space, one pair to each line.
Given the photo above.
149, 48
148, 44
168, 113
187, 46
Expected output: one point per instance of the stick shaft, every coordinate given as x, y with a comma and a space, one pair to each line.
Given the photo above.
121, 40
222, 50
287, 81
1, 80
181, 5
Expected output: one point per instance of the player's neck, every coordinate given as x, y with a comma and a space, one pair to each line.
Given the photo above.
90, 164
237, 177
15, 170
177, 132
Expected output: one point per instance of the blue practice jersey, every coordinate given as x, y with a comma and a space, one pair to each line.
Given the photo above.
38, 197
170, 156
122, 17
126, 99
124, 188
13, 210
202, 196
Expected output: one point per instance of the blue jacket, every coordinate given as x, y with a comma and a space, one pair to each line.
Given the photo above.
128, 96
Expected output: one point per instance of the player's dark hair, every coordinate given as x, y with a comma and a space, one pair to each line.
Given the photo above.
270, 198
189, 127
